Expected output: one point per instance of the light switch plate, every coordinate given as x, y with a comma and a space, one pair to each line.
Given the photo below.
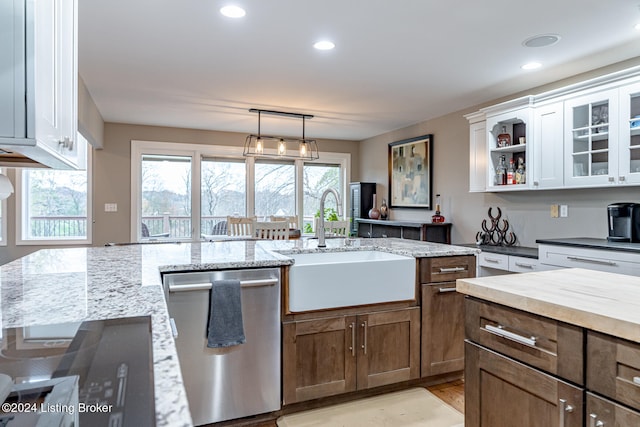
564, 211
554, 211
111, 207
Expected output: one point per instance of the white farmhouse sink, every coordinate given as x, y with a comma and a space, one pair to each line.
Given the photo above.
341, 279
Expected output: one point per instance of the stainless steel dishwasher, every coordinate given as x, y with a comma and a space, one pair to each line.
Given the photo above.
234, 382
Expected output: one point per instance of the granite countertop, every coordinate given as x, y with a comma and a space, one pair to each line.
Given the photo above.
400, 223
604, 302
521, 251
67, 285
592, 243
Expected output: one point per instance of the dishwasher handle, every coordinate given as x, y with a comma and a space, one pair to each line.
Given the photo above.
207, 286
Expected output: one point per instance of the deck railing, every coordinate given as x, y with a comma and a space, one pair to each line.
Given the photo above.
176, 226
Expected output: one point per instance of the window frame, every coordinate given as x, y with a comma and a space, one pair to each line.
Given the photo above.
21, 209
4, 211
199, 151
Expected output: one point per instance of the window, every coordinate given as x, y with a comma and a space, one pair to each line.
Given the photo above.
53, 206
186, 191
223, 192
317, 178
275, 188
166, 196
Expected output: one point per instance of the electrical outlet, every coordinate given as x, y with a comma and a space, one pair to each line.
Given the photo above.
564, 211
554, 211
111, 207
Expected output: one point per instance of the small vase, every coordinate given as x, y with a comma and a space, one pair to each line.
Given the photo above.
384, 210
374, 213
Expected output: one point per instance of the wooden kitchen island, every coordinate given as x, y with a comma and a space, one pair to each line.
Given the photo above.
554, 348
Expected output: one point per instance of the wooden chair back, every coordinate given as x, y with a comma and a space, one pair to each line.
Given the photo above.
338, 228
273, 230
292, 220
241, 226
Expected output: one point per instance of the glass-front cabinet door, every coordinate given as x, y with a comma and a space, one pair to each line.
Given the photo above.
629, 148
591, 139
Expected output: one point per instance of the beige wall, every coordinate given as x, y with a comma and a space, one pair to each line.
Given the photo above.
527, 212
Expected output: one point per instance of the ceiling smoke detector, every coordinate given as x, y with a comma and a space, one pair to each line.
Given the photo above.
541, 40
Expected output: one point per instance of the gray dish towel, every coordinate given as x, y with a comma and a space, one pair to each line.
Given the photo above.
225, 315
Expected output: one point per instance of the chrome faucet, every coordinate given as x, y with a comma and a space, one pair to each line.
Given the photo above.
321, 243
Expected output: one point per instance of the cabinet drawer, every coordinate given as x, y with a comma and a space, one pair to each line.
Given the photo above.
544, 343
523, 265
613, 368
447, 269
607, 413
499, 261
593, 259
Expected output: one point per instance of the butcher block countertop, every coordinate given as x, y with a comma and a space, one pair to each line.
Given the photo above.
604, 302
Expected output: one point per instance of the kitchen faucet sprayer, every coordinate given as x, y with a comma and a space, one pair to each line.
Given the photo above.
321, 243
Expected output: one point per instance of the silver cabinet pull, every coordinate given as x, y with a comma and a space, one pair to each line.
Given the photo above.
519, 264
364, 337
174, 328
612, 179
445, 290
594, 422
564, 408
493, 260
636, 380
207, 286
501, 332
451, 269
352, 326
621, 178
591, 261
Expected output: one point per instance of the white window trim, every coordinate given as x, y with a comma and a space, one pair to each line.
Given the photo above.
3, 225
197, 151
21, 208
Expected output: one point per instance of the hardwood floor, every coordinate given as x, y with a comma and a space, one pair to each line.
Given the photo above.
451, 393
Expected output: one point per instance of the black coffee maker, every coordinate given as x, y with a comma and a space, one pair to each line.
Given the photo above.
624, 222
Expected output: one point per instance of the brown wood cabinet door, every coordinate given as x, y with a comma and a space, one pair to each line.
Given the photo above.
319, 358
388, 347
442, 329
602, 413
503, 392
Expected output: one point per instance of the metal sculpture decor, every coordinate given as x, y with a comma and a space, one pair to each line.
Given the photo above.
496, 235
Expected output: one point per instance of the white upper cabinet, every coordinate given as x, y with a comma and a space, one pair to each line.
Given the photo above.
42, 118
583, 135
477, 152
629, 135
591, 139
547, 145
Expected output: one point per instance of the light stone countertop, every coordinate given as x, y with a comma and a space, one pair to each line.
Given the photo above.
604, 302
67, 285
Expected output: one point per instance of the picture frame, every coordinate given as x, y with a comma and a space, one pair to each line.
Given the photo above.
411, 172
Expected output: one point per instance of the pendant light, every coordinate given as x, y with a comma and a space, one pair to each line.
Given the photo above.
278, 146
6, 188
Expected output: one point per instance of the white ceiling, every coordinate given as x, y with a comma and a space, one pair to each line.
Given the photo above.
397, 62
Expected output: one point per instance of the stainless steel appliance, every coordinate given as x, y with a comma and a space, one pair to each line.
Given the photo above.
94, 373
624, 222
233, 382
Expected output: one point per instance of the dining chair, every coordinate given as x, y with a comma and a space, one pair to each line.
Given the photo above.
241, 226
272, 230
338, 228
292, 220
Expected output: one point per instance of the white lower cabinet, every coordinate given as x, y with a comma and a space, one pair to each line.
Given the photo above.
593, 259
491, 264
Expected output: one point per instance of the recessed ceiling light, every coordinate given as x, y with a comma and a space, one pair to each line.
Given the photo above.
531, 66
232, 11
637, 26
541, 40
324, 45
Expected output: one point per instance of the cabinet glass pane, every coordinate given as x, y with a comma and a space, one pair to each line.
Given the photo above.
581, 116
635, 160
581, 165
635, 111
591, 139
